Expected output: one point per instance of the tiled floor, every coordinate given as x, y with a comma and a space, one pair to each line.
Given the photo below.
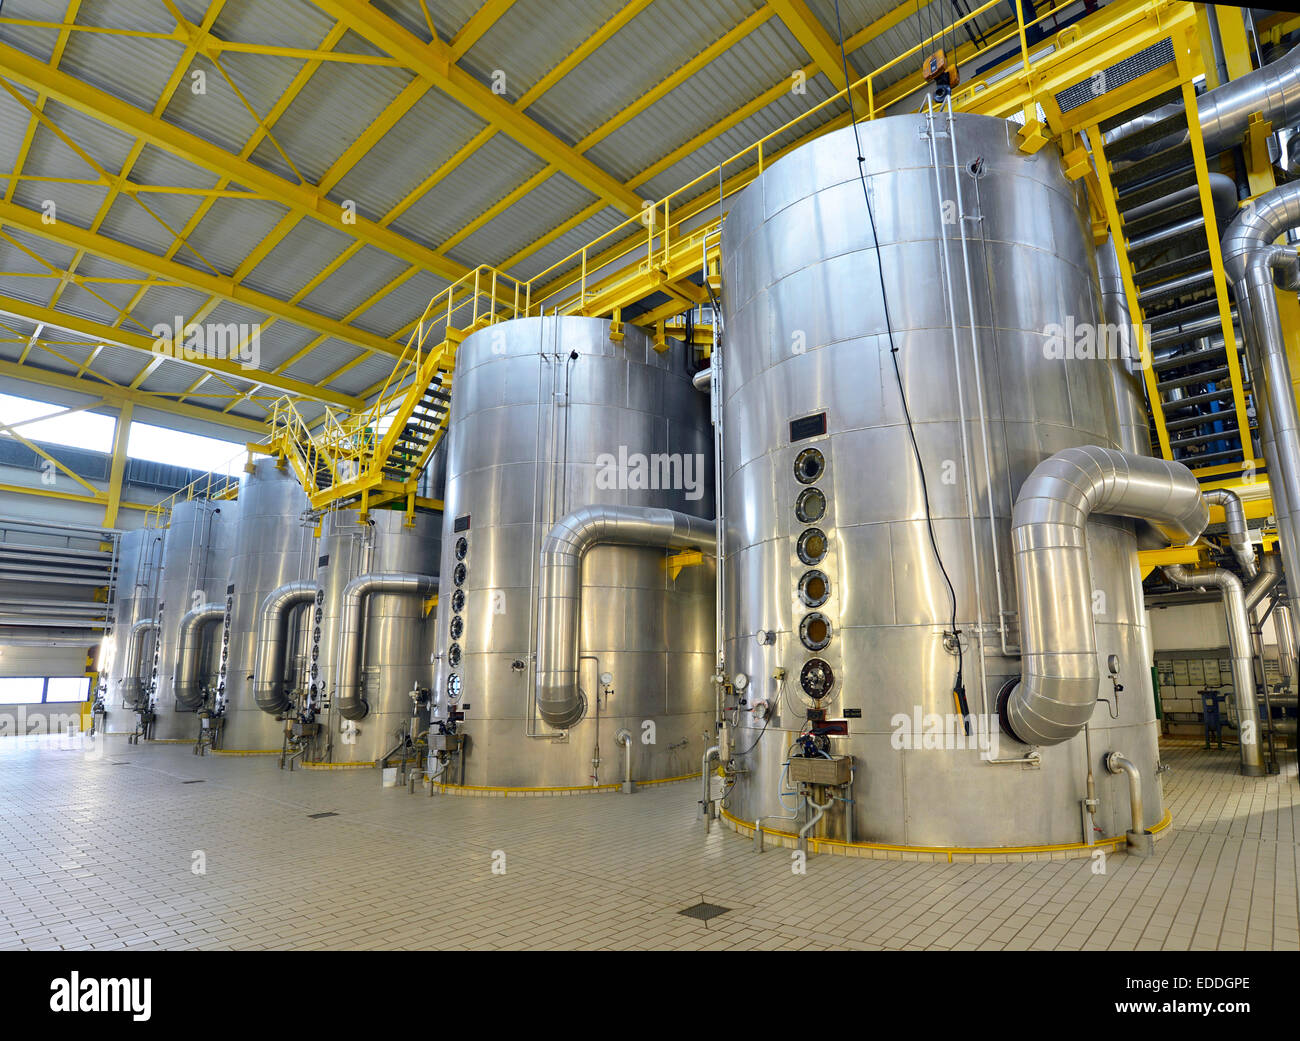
119, 851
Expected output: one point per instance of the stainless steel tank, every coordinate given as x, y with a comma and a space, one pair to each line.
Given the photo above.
195, 560
139, 558
548, 416
274, 544
831, 581
397, 636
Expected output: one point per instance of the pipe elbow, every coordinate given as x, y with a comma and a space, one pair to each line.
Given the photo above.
1057, 692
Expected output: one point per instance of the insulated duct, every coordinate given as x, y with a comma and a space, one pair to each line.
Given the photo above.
1268, 575
1126, 383
1225, 111
348, 699
1058, 687
1238, 534
185, 685
1250, 259
272, 626
1285, 644
132, 685
1242, 651
559, 701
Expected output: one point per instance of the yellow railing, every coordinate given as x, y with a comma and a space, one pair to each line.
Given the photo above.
209, 486
669, 241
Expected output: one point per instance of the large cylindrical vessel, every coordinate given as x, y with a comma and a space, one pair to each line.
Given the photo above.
550, 416
139, 557
990, 295
396, 635
274, 544
196, 556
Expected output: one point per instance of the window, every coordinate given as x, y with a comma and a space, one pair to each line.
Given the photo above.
32, 690
177, 448
18, 690
78, 430
67, 688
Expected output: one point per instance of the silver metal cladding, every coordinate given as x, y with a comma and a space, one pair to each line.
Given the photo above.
550, 416
273, 545
986, 257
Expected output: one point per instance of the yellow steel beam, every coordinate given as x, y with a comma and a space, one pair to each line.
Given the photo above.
302, 198
227, 288
121, 435
434, 62
1140, 334
120, 395
813, 38
96, 331
9, 431
50, 493
1150, 559
1216, 254
118, 181
479, 23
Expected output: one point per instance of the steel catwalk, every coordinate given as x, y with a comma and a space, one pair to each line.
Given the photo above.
549, 416
833, 550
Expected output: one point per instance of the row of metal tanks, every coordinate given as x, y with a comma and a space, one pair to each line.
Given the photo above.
577, 633
233, 616
566, 630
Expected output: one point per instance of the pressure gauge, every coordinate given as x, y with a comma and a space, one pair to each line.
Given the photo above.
606, 678
740, 682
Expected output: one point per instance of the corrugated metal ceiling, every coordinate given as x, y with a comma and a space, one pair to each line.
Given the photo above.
336, 104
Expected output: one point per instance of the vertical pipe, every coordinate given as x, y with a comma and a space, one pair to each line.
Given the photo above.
1240, 648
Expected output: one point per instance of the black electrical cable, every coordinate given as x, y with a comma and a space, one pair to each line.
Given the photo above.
893, 354
760, 735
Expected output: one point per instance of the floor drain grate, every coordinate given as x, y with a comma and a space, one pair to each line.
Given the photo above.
704, 911
191, 782
318, 816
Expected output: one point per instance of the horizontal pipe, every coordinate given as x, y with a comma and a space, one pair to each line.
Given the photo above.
272, 631
559, 701
1223, 113
347, 698
1058, 688
186, 681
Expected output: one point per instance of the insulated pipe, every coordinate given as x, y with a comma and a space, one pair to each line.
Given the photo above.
1125, 382
559, 598
1250, 259
1139, 839
348, 699
624, 738
1270, 573
1238, 534
703, 380
1285, 644
186, 684
1225, 111
1241, 648
272, 626
706, 804
1057, 691
132, 685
